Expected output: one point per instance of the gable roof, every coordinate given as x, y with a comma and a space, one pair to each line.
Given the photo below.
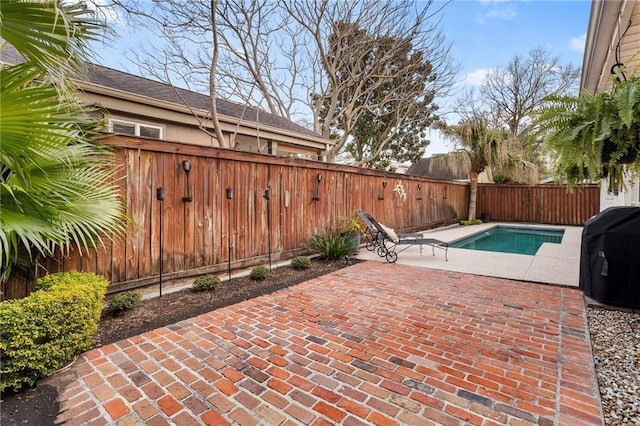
438, 171
113, 79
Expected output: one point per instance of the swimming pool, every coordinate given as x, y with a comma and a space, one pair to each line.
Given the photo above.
511, 239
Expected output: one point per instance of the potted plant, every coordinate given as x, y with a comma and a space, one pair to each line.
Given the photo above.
353, 226
591, 137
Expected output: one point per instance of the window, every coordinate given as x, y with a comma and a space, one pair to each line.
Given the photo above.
135, 129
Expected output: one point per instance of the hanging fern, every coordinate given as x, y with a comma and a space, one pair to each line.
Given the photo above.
591, 137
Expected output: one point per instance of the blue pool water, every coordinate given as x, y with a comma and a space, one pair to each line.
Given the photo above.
511, 239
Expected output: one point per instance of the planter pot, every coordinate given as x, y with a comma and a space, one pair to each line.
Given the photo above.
485, 217
357, 238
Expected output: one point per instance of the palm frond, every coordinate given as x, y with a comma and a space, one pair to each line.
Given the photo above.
56, 186
51, 35
457, 161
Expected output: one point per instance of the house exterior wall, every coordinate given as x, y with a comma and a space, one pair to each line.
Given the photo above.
630, 43
608, 24
183, 126
170, 131
264, 145
628, 196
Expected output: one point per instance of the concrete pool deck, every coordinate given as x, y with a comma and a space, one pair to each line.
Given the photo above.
553, 263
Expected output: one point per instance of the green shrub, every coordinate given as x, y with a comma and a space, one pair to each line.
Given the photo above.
471, 222
301, 262
332, 247
207, 282
45, 330
259, 273
123, 301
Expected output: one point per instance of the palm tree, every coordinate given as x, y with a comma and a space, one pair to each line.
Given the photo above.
56, 185
479, 148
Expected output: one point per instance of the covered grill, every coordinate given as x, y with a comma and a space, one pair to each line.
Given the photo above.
610, 257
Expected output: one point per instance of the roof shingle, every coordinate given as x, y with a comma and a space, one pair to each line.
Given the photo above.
425, 169
111, 78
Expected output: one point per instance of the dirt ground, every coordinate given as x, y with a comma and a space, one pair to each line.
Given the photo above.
39, 405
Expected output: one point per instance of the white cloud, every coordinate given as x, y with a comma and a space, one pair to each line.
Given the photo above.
497, 9
476, 77
577, 43
502, 13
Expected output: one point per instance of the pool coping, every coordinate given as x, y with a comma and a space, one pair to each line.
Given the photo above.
557, 264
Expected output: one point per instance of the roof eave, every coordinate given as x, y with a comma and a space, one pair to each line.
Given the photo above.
602, 23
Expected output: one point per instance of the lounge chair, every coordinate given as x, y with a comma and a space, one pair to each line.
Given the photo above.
384, 240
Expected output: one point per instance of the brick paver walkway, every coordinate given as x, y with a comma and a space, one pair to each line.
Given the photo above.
374, 343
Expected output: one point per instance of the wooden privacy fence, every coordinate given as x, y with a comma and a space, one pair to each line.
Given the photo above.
550, 204
213, 231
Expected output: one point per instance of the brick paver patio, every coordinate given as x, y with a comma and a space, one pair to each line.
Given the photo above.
375, 344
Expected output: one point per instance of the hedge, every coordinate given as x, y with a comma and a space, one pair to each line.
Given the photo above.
47, 329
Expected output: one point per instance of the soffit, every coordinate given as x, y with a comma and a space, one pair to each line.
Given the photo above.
607, 24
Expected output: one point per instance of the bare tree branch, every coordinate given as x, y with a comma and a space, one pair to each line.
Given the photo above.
350, 88
212, 80
295, 54
513, 92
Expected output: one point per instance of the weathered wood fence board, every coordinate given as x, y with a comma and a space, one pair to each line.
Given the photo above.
550, 204
197, 234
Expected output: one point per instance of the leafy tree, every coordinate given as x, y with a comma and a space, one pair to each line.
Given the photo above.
480, 147
389, 110
363, 49
55, 184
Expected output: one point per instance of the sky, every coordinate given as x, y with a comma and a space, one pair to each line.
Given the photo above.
485, 34
488, 33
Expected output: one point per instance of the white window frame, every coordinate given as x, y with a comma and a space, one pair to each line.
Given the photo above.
136, 126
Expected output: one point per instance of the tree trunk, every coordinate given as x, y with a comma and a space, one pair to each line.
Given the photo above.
473, 193
222, 143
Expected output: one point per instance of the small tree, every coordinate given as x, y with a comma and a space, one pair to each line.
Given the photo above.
480, 147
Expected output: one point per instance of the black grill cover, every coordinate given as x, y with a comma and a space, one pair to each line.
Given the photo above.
610, 257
